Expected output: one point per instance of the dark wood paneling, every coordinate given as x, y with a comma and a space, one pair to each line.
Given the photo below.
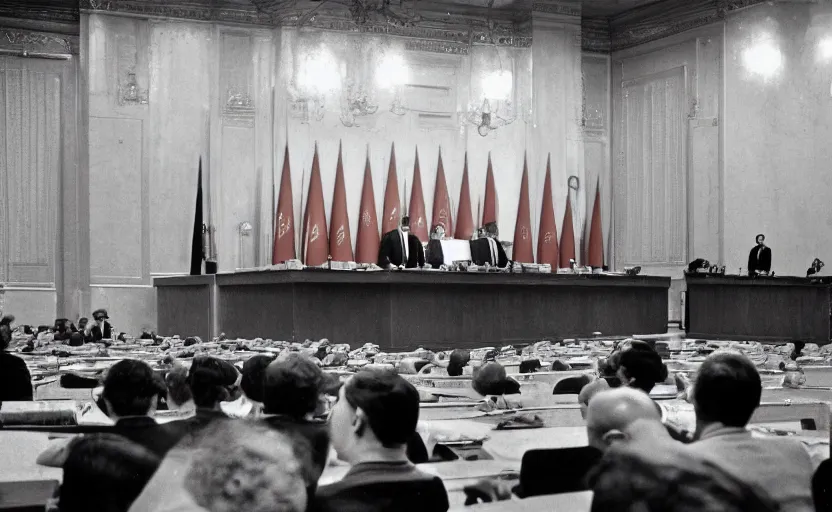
184, 310
343, 313
402, 311
256, 311
769, 309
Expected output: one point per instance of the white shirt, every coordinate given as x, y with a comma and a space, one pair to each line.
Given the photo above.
405, 249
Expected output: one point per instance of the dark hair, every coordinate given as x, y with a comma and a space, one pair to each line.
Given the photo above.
457, 361
727, 389
131, 386
254, 370
117, 468
209, 379
758, 236
7, 320
176, 381
390, 403
291, 386
645, 366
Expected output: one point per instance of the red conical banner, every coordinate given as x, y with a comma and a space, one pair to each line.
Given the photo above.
391, 213
464, 218
489, 210
523, 250
567, 237
340, 241
547, 238
315, 243
367, 241
284, 229
595, 247
442, 201
416, 210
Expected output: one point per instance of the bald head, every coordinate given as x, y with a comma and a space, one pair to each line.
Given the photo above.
589, 391
611, 416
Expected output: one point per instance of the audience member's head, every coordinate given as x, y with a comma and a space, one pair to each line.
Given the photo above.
620, 416
727, 390
105, 473
292, 385
377, 412
668, 481
641, 368
179, 392
457, 361
254, 370
6, 331
491, 379
82, 323
212, 381
132, 388
588, 391
244, 466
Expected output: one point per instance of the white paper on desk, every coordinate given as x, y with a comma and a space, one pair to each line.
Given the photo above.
455, 250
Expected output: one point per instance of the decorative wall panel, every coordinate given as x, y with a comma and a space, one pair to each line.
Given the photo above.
30, 166
116, 206
235, 94
653, 170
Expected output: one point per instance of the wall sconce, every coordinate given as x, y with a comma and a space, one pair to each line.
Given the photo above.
763, 58
357, 103
485, 120
130, 94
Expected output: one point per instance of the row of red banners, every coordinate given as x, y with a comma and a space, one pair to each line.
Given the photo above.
318, 243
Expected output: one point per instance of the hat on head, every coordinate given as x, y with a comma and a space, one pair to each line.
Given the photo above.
100, 313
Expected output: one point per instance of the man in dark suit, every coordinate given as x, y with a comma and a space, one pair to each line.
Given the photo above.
101, 329
401, 248
131, 391
370, 425
488, 249
434, 255
759, 259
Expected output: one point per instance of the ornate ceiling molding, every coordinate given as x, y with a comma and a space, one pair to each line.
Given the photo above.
196, 11
665, 19
562, 7
57, 11
38, 42
461, 26
595, 35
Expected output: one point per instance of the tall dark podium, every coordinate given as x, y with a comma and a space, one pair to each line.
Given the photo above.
768, 309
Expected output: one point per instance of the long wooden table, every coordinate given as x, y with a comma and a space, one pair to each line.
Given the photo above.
777, 309
406, 309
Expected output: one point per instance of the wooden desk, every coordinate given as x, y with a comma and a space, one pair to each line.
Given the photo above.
407, 309
776, 309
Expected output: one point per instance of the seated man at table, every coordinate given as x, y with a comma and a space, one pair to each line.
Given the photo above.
15, 379
400, 248
488, 249
644, 468
726, 394
376, 415
434, 254
131, 392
